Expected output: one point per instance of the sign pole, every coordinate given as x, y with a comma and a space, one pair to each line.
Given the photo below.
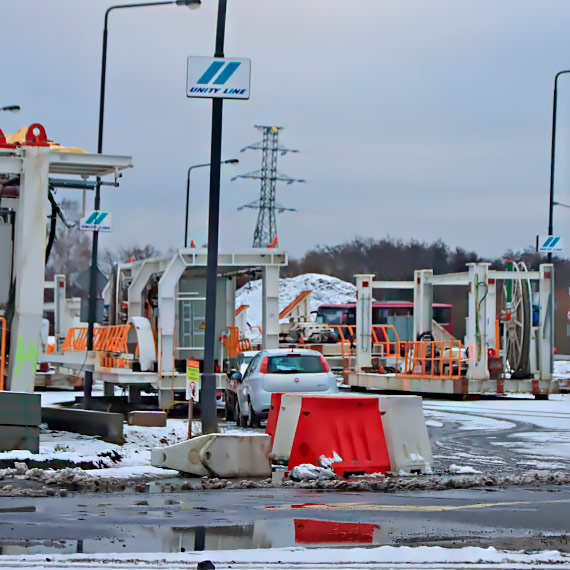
208, 395
190, 417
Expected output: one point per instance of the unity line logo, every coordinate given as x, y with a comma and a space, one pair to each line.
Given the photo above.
218, 78
96, 218
222, 74
96, 221
551, 242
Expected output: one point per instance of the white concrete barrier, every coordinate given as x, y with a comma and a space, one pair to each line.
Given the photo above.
286, 427
406, 434
218, 455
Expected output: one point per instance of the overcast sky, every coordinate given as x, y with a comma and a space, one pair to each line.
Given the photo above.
418, 119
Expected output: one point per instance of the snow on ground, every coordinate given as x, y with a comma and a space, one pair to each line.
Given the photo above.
299, 557
325, 290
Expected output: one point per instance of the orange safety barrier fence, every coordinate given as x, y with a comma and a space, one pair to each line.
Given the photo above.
345, 332
245, 344
112, 338
429, 359
2, 352
381, 335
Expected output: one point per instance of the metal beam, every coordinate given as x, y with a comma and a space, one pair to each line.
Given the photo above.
535, 275
448, 279
393, 284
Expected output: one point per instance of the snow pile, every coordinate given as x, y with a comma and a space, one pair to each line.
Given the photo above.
462, 469
326, 290
309, 472
561, 372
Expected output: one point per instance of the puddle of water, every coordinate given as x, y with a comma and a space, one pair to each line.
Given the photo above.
19, 510
260, 534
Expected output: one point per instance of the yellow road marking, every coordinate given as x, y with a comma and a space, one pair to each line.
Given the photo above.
419, 508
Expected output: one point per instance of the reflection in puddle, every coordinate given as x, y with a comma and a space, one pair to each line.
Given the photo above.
261, 534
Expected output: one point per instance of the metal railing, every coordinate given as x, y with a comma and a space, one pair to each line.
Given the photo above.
429, 359
112, 338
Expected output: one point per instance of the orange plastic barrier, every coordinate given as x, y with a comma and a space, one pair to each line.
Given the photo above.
2, 352
111, 338
311, 531
351, 428
273, 415
232, 342
429, 359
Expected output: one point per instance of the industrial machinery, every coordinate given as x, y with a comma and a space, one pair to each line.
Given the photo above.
506, 351
28, 163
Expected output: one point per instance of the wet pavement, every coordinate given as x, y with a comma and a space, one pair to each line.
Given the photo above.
246, 519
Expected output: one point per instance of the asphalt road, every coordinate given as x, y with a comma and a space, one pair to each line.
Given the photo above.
514, 518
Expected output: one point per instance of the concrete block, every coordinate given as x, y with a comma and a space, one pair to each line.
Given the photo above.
406, 433
147, 419
218, 455
107, 425
20, 409
20, 438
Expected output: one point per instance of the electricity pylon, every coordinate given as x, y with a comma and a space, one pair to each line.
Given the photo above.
266, 229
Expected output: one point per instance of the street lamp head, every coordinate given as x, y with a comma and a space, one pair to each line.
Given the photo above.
231, 161
11, 108
192, 4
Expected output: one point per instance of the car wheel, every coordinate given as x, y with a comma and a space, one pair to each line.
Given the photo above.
241, 421
252, 417
230, 409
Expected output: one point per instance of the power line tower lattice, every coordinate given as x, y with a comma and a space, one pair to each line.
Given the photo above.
266, 229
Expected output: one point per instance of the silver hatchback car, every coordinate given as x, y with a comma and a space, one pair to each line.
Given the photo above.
279, 370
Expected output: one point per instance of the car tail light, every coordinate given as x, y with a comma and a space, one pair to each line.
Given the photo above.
263, 367
326, 366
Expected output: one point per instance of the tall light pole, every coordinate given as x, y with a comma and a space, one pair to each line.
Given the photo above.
11, 108
553, 157
208, 390
230, 161
88, 384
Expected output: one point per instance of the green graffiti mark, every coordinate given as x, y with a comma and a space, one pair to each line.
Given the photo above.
23, 357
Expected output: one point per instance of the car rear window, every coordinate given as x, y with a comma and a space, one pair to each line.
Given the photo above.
294, 363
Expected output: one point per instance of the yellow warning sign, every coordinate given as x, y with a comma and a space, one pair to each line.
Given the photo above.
193, 380
202, 325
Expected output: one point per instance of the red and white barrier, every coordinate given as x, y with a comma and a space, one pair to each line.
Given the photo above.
350, 433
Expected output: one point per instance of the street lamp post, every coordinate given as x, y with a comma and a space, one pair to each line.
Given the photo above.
88, 384
208, 390
230, 161
553, 157
11, 108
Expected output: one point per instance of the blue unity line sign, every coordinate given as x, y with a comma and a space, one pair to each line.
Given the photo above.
96, 221
218, 77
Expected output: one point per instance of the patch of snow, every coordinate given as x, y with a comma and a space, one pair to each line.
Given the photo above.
327, 462
462, 470
309, 472
297, 556
434, 423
